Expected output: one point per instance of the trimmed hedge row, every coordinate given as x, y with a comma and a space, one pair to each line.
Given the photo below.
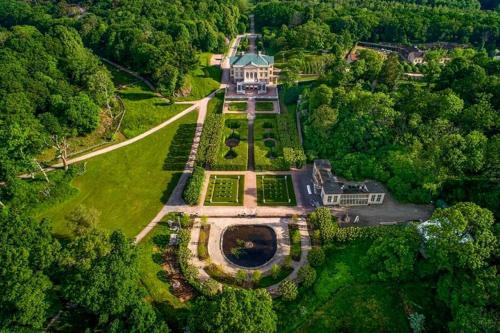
209, 141
192, 191
348, 234
293, 153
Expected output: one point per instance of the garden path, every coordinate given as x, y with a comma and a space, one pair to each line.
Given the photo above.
278, 224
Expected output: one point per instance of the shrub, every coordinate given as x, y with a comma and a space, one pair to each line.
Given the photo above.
194, 186
316, 256
275, 271
241, 277
190, 272
288, 290
307, 275
256, 276
323, 220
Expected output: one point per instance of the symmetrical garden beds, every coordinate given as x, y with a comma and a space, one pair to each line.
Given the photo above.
264, 106
267, 146
233, 147
275, 190
225, 190
237, 106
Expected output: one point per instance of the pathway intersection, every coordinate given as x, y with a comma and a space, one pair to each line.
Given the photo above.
249, 212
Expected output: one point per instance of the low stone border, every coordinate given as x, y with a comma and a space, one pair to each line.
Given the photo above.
279, 225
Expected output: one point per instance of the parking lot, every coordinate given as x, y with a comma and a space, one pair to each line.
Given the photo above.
389, 212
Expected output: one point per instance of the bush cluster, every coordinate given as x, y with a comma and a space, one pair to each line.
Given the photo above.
213, 129
194, 186
352, 233
208, 288
288, 290
323, 220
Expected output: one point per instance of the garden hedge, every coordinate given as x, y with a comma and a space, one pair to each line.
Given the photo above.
194, 186
209, 141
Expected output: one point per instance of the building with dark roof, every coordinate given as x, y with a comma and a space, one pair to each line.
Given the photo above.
335, 192
252, 71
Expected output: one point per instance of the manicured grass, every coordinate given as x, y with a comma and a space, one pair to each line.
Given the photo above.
203, 242
236, 126
295, 242
269, 280
203, 80
129, 186
275, 190
215, 104
237, 106
268, 152
264, 106
144, 110
343, 298
225, 190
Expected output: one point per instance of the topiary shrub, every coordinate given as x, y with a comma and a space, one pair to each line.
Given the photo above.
307, 275
316, 257
288, 290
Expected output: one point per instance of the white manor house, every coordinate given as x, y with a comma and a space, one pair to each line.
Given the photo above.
335, 192
252, 71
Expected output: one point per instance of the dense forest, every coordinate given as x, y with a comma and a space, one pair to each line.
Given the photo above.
337, 25
435, 138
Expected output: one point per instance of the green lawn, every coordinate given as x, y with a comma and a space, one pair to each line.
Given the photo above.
215, 104
269, 280
144, 110
273, 190
129, 186
203, 80
237, 106
225, 190
268, 152
344, 298
264, 106
236, 127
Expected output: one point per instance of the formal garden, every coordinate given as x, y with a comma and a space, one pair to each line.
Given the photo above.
225, 190
264, 106
237, 106
268, 151
233, 146
275, 190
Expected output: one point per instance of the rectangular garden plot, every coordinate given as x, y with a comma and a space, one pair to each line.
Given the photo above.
233, 147
268, 152
225, 190
275, 190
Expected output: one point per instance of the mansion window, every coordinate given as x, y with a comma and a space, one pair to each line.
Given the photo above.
354, 199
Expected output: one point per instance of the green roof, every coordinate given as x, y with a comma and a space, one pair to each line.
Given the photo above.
251, 58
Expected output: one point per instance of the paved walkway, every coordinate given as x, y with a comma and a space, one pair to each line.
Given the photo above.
129, 141
280, 227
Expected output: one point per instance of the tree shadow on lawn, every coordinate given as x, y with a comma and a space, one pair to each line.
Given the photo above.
170, 187
180, 148
133, 96
213, 72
